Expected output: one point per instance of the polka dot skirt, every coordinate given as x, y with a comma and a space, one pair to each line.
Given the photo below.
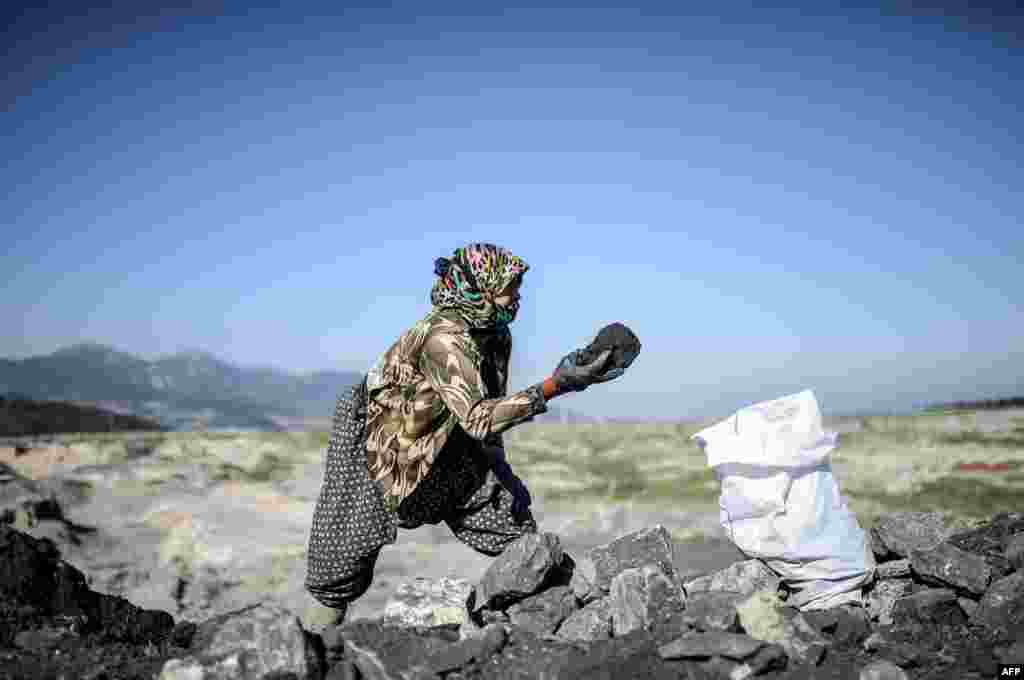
351, 522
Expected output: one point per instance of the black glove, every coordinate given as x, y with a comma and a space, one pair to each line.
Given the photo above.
520, 494
571, 376
503, 471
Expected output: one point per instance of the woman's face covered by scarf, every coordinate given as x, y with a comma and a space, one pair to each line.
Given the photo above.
472, 278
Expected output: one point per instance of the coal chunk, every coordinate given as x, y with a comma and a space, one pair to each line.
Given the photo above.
617, 337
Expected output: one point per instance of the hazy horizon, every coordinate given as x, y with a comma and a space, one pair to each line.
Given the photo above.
774, 199
903, 410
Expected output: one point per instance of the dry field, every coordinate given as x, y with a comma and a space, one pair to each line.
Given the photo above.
229, 512
967, 464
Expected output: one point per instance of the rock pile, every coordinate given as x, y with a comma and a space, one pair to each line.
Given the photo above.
26, 502
947, 601
53, 625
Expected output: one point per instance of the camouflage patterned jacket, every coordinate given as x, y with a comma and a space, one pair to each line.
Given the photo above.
438, 375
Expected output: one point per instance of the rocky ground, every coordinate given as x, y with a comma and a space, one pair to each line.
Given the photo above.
166, 521
135, 556
947, 602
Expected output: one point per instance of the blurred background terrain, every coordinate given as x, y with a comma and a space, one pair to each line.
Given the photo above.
199, 522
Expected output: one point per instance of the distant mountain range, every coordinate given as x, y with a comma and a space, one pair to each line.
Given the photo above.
181, 391
188, 390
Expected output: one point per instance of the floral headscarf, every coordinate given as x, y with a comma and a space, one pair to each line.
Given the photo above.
470, 280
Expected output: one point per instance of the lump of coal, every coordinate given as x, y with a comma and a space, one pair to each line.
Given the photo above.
617, 337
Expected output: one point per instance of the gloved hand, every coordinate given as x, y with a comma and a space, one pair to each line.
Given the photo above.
609, 375
571, 376
503, 471
520, 494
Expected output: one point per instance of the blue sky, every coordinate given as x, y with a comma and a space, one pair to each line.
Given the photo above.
773, 198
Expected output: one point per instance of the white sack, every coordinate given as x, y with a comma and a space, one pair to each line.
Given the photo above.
780, 501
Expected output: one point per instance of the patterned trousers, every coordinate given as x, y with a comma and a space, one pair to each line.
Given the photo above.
351, 523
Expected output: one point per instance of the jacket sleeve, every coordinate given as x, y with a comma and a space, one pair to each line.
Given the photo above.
445, 360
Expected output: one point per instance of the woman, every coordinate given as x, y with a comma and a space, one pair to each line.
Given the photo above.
419, 440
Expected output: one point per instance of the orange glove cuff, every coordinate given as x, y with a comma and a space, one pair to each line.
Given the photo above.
550, 388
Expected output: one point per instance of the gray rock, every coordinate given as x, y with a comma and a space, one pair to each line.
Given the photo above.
542, 613
584, 575
768, 658
385, 652
936, 605
428, 602
718, 643
469, 630
762, 616
715, 667
713, 611
901, 532
1002, 606
246, 644
897, 652
873, 642
990, 539
802, 643
824, 620
967, 606
845, 624
745, 577
948, 565
25, 502
41, 640
123, 621
632, 656
454, 656
853, 625
1015, 550
526, 655
882, 670
487, 617
882, 597
646, 599
593, 622
532, 561
33, 575
345, 669
649, 546
1013, 653
893, 569
903, 654
878, 548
